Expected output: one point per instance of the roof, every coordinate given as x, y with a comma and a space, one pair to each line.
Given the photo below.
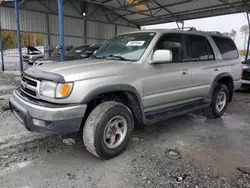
143, 12
147, 12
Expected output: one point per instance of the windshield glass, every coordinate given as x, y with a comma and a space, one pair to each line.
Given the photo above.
125, 47
76, 51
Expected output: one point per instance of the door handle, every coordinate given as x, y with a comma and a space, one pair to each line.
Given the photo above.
215, 69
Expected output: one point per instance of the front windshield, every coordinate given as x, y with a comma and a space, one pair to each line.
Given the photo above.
76, 51
128, 47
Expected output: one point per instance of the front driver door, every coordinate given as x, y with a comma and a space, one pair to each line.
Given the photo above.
166, 84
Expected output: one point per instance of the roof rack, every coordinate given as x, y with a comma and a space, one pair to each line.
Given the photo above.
186, 28
215, 32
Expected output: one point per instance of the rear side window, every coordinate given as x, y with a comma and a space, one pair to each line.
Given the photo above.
227, 47
198, 48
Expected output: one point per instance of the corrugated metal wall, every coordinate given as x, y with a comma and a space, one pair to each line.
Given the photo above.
30, 21
98, 28
124, 29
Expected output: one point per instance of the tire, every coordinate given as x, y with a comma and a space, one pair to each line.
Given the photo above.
101, 126
214, 111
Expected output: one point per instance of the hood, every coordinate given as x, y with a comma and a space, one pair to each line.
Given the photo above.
86, 69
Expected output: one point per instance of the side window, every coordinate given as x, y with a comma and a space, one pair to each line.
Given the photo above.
198, 48
210, 51
173, 42
226, 47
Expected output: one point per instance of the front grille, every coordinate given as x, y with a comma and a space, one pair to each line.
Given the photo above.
28, 91
28, 81
30, 87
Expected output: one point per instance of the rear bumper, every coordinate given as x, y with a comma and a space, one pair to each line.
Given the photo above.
237, 84
245, 84
56, 119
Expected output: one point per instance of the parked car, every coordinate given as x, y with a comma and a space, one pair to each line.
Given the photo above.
246, 74
80, 52
32, 54
137, 78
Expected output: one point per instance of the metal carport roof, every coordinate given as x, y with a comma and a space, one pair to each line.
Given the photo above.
148, 12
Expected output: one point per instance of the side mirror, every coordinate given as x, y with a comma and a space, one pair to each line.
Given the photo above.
162, 56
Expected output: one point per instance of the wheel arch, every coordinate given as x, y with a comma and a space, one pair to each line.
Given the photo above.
124, 93
224, 78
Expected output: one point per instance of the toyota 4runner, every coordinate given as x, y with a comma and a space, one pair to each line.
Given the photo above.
137, 78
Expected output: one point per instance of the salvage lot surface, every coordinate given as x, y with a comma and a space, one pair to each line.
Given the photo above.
211, 150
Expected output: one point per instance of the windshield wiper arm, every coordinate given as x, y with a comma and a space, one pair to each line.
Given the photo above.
97, 57
119, 57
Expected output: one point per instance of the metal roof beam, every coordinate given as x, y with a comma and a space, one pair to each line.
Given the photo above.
106, 15
45, 6
119, 16
232, 5
79, 12
107, 1
134, 3
125, 7
116, 8
184, 12
166, 6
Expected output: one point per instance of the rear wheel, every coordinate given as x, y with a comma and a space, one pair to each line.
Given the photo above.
108, 129
219, 102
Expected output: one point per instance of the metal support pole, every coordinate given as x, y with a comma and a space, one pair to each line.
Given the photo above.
18, 35
48, 34
248, 42
61, 28
116, 30
1, 49
84, 11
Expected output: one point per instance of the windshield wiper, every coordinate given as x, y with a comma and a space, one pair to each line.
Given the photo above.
119, 57
97, 57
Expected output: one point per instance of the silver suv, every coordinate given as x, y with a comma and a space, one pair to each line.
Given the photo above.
137, 78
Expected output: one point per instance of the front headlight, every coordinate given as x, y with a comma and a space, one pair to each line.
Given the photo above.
48, 89
55, 90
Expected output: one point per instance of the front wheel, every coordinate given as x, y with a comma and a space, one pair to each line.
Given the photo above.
219, 102
108, 129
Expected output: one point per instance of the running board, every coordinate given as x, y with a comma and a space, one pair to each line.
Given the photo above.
167, 113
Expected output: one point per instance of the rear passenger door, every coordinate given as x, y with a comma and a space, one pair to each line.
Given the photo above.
200, 58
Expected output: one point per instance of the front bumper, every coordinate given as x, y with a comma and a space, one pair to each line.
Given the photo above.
58, 119
28, 60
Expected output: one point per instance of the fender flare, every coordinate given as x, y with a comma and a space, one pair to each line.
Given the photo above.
112, 88
217, 78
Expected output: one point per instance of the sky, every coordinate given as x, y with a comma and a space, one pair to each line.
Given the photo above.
218, 23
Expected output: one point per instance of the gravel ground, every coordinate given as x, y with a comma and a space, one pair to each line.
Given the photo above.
210, 149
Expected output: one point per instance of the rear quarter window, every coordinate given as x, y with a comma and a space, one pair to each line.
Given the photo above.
226, 47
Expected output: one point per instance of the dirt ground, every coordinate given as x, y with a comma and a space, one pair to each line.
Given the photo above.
211, 149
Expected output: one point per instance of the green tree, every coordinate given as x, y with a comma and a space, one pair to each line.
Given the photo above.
232, 34
245, 32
